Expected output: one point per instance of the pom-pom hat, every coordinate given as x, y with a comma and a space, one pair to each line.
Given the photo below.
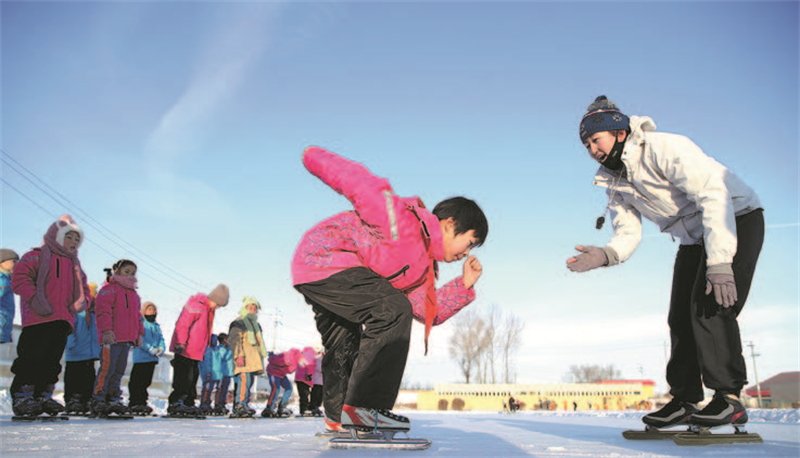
602, 115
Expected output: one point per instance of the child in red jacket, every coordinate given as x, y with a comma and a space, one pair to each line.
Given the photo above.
52, 289
119, 327
366, 273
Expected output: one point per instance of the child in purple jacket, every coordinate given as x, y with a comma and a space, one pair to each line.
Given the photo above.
119, 327
279, 367
366, 273
52, 288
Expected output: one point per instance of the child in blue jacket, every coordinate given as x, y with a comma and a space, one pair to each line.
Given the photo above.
145, 359
81, 353
211, 373
8, 259
226, 367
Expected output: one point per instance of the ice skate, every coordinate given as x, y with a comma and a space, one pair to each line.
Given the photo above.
140, 410
365, 419
724, 409
268, 412
242, 411
117, 409
49, 405
675, 413
283, 411
25, 406
74, 406
99, 407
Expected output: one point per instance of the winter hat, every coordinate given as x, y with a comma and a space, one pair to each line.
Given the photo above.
58, 231
148, 304
219, 295
6, 254
245, 302
602, 115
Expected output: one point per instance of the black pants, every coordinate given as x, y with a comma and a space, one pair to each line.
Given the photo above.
139, 382
303, 395
365, 324
706, 344
316, 397
184, 380
39, 353
79, 380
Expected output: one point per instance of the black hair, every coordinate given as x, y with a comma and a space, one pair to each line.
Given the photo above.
222, 336
467, 216
118, 265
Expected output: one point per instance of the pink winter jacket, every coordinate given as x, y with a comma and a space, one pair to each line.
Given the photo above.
193, 329
383, 234
118, 308
305, 374
283, 364
58, 287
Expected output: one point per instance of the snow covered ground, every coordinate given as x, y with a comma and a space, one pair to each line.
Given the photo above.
454, 434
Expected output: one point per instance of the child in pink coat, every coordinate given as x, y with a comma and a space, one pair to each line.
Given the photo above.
279, 367
366, 273
119, 327
189, 341
52, 288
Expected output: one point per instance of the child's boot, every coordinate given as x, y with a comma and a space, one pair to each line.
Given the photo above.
98, 406
365, 419
674, 413
724, 409
49, 405
283, 411
25, 405
74, 405
268, 412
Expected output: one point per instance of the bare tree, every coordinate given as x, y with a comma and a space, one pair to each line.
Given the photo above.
589, 373
510, 341
468, 343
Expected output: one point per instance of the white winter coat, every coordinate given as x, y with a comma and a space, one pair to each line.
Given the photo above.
671, 182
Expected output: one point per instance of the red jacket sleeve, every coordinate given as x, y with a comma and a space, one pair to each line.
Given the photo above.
450, 299
23, 278
369, 194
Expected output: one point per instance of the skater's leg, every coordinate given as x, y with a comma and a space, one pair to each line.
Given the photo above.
340, 339
222, 392
121, 350
249, 379
716, 328
72, 377
194, 369
286, 385
302, 396
683, 369
274, 388
359, 296
316, 397
136, 385
181, 378
39, 353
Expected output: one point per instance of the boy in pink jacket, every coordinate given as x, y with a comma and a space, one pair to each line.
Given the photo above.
366, 273
189, 341
119, 327
52, 288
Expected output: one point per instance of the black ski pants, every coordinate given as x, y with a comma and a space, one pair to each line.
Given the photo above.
303, 395
39, 353
139, 382
706, 344
316, 397
365, 324
79, 380
185, 373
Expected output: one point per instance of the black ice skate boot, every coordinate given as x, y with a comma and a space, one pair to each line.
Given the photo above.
74, 405
724, 409
241, 411
268, 412
98, 407
366, 419
117, 407
283, 411
674, 413
49, 405
25, 405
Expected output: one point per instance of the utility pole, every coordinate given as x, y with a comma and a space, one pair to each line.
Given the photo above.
755, 371
276, 315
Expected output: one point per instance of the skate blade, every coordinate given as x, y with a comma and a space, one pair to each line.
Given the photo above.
379, 444
706, 437
653, 434
24, 418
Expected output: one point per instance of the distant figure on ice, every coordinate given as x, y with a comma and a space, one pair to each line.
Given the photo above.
227, 368
375, 269
8, 259
720, 224
247, 343
83, 349
189, 341
52, 289
119, 327
304, 380
210, 374
279, 367
145, 359
317, 388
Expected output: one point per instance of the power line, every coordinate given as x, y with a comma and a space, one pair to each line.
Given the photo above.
101, 229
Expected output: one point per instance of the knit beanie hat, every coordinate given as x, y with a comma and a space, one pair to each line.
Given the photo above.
220, 295
6, 254
245, 302
602, 115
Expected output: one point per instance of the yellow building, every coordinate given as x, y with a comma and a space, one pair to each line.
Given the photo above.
602, 395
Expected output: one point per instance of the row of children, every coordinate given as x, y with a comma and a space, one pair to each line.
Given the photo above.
64, 316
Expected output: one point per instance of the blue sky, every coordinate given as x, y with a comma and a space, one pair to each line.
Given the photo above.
176, 129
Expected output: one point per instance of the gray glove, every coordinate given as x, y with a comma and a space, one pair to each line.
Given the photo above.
591, 257
108, 337
724, 287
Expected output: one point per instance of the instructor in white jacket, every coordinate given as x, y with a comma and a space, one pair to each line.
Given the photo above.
719, 222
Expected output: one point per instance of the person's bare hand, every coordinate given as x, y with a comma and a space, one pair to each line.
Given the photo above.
472, 271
